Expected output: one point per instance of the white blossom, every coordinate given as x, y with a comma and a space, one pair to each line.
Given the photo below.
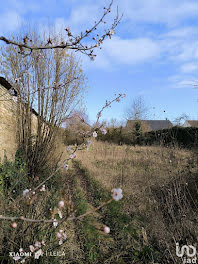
38, 254
32, 249
15, 99
58, 235
42, 188
66, 166
103, 131
61, 204
14, 225
106, 230
95, 134
60, 241
111, 32
61, 236
37, 244
117, 194
72, 156
16, 258
60, 214
55, 223
25, 192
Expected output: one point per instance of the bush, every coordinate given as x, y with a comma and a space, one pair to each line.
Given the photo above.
113, 135
186, 137
13, 175
181, 136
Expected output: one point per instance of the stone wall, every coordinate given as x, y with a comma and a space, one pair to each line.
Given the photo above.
8, 124
8, 107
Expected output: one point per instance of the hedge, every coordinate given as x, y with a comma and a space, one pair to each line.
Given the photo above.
176, 136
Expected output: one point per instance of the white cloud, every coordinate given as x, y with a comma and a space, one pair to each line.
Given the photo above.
100, 62
189, 67
187, 50
131, 51
117, 52
160, 11
181, 33
9, 21
180, 81
83, 14
82, 17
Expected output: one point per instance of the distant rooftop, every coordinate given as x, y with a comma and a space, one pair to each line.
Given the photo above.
192, 123
153, 124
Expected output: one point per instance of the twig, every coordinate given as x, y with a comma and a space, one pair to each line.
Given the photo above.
12, 218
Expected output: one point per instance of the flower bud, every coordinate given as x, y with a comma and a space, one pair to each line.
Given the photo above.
14, 225
61, 204
106, 230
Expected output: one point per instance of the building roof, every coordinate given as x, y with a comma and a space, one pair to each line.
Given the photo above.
154, 124
8, 86
5, 83
159, 124
193, 123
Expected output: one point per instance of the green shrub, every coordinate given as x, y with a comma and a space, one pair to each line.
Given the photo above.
186, 137
181, 136
13, 175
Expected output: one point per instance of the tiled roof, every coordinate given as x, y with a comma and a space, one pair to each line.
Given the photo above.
193, 123
153, 124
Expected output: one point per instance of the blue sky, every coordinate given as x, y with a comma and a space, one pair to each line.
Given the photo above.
154, 52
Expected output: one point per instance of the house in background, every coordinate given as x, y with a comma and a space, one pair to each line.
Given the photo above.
191, 123
150, 125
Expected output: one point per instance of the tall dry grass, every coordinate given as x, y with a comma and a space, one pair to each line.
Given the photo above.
160, 185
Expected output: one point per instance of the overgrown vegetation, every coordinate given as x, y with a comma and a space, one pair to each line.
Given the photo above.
176, 136
14, 203
161, 198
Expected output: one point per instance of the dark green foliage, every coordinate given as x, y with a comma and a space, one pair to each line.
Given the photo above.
179, 136
146, 255
13, 175
186, 137
114, 135
137, 132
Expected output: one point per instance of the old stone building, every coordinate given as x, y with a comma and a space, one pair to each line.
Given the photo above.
8, 120
8, 109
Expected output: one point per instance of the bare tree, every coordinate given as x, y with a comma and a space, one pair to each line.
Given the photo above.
180, 119
138, 110
49, 84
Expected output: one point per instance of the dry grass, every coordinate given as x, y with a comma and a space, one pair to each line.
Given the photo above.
134, 169
159, 183
159, 205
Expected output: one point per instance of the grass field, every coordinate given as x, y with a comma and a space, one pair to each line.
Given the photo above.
159, 207
160, 188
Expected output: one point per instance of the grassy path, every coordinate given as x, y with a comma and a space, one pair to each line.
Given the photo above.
124, 243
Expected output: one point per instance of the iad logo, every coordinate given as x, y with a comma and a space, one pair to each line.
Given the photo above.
189, 251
